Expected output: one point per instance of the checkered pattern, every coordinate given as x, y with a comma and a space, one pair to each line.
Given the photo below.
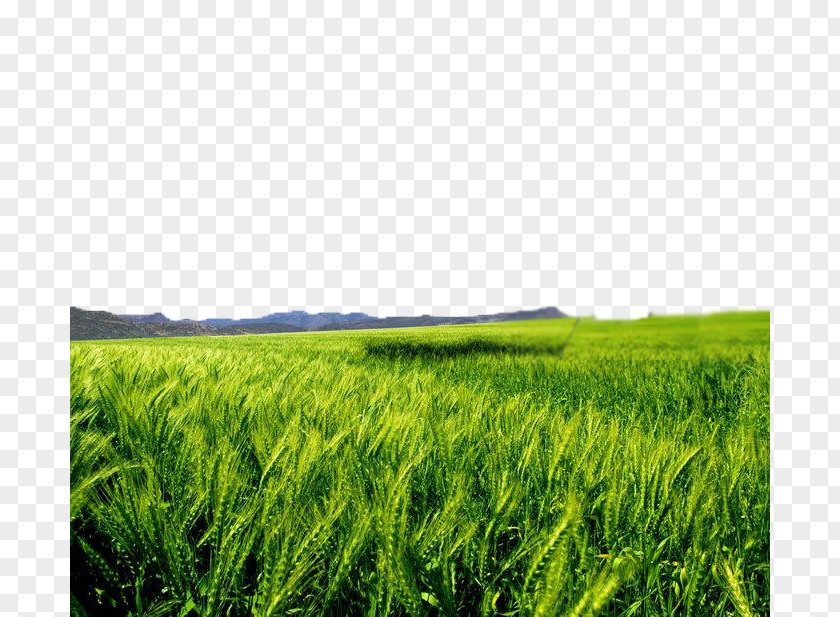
237, 158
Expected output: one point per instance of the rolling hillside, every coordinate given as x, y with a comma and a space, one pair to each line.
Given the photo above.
98, 325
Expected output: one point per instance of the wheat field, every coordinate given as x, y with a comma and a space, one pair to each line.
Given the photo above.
558, 467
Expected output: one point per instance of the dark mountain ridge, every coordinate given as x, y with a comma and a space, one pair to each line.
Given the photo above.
259, 328
300, 319
430, 320
99, 325
153, 318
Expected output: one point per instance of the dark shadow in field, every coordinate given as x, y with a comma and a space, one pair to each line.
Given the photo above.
395, 350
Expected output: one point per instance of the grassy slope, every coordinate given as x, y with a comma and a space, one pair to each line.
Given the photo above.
446, 470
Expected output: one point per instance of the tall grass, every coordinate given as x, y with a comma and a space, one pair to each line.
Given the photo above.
445, 471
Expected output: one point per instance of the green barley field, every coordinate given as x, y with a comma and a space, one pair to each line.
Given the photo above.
558, 467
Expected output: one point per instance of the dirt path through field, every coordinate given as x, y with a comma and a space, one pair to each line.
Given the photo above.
569, 338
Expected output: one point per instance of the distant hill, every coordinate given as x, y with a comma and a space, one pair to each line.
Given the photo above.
97, 325
300, 319
430, 320
259, 328
153, 318
86, 325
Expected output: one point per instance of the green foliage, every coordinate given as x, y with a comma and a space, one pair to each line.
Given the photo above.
500, 469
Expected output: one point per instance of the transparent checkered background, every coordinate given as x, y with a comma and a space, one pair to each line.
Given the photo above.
238, 158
